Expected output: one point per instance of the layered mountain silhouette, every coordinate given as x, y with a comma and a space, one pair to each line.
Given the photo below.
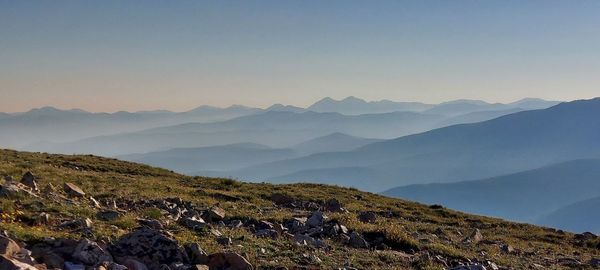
217, 158
577, 217
508, 144
53, 125
280, 129
524, 196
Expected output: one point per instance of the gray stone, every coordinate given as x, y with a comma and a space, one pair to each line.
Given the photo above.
73, 190
90, 253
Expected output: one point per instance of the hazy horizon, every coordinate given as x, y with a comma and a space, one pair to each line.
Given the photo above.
116, 55
261, 107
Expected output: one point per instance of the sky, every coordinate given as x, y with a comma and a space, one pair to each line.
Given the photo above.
140, 55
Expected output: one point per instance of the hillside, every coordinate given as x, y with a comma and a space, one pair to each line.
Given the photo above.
577, 217
245, 226
279, 129
524, 196
217, 158
334, 142
508, 144
49, 124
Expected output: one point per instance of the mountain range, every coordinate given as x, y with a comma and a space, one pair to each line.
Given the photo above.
508, 144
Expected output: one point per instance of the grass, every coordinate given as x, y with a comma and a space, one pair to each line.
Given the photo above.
407, 226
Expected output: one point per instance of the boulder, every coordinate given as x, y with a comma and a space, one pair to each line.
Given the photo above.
196, 254
150, 223
194, 223
316, 219
8, 247
133, 264
281, 199
7, 263
214, 214
149, 246
333, 205
108, 215
29, 180
475, 237
229, 260
90, 253
357, 241
367, 217
73, 190
474, 266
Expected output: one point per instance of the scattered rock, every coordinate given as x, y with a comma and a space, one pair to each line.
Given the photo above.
108, 215
357, 241
229, 260
90, 253
215, 214
29, 180
151, 247
475, 266
7, 263
194, 223
475, 237
73, 190
224, 240
8, 247
196, 254
367, 217
508, 249
150, 223
74, 266
281, 199
133, 264
316, 219
333, 205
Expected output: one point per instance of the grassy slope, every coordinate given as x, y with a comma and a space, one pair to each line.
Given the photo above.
414, 226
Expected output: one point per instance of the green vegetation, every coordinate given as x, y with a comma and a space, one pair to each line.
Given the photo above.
410, 229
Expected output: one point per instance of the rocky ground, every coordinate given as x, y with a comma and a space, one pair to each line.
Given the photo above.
85, 212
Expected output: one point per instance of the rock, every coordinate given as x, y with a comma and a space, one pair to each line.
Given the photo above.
11, 189
78, 224
95, 203
133, 264
316, 219
200, 267
194, 223
7, 263
73, 190
108, 215
90, 253
53, 260
235, 224
224, 240
508, 249
469, 267
42, 219
271, 233
74, 266
196, 254
367, 217
151, 247
215, 214
475, 237
357, 241
8, 247
281, 199
29, 180
333, 205
150, 223
229, 260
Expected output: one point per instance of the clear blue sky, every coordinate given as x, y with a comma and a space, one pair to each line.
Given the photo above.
134, 55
